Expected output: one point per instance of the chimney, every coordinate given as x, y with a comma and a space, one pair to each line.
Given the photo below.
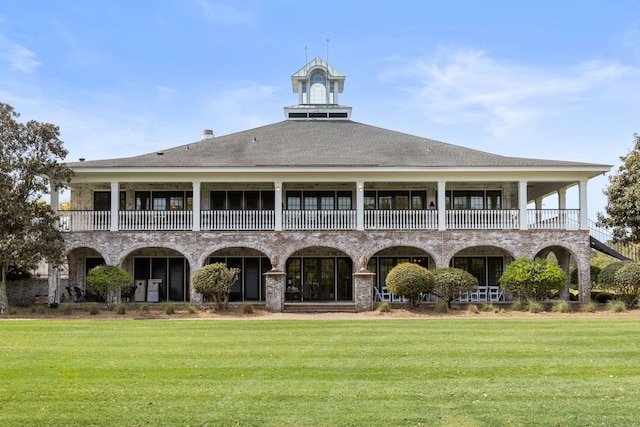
207, 134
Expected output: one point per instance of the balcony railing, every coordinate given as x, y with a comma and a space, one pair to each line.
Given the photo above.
319, 220
553, 219
401, 219
239, 220
155, 220
476, 219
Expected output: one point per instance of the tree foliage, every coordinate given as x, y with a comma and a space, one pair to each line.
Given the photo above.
108, 281
623, 278
533, 280
30, 156
451, 282
410, 281
622, 212
214, 281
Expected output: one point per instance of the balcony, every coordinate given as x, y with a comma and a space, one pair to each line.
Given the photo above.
265, 220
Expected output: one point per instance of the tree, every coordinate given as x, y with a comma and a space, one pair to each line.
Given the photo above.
622, 212
451, 282
533, 280
410, 281
214, 281
30, 156
622, 278
108, 281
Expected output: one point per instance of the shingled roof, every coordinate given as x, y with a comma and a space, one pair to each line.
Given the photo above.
326, 143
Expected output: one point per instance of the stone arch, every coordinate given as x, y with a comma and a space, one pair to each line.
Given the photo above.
563, 256
487, 249
122, 256
211, 250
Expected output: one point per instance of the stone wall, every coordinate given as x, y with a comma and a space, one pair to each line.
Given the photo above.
23, 292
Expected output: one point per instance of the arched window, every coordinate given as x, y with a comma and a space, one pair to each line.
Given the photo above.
318, 90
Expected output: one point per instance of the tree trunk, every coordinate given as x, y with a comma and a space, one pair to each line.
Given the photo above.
4, 300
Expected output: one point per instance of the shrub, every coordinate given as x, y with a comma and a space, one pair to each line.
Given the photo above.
13, 310
191, 309
383, 307
248, 309
595, 275
452, 282
144, 308
65, 308
94, 309
589, 307
627, 283
441, 307
535, 280
169, 308
607, 275
410, 281
535, 307
122, 309
108, 281
517, 305
214, 281
616, 306
602, 296
490, 308
473, 309
36, 309
561, 307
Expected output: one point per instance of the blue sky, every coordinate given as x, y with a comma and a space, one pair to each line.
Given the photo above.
544, 79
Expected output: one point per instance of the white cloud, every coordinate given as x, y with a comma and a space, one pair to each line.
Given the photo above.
467, 85
18, 57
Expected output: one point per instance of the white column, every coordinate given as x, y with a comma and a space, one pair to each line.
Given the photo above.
115, 205
442, 209
360, 206
196, 206
562, 198
522, 203
584, 211
538, 203
278, 205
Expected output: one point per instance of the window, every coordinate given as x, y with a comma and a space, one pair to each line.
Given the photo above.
395, 200
242, 200
318, 90
476, 199
164, 200
486, 269
102, 201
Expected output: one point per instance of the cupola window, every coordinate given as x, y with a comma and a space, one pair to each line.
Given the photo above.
318, 90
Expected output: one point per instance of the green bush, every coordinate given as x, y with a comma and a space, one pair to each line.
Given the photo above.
191, 309
490, 308
595, 275
517, 305
248, 309
94, 309
144, 308
535, 307
35, 309
65, 308
607, 275
616, 306
627, 283
214, 281
602, 296
441, 307
589, 307
121, 309
561, 307
108, 281
383, 307
169, 308
533, 280
13, 310
452, 282
410, 281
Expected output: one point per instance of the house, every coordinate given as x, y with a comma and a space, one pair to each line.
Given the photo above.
320, 205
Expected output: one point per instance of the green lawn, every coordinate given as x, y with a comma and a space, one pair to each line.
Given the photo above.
430, 372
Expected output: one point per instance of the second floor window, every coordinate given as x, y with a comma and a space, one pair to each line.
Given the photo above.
164, 200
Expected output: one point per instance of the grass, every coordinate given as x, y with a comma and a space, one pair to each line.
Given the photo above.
429, 372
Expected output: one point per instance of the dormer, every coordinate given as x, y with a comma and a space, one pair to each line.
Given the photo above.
318, 85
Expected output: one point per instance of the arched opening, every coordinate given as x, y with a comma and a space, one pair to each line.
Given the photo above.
485, 263
383, 262
319, 274
252, 263
159, 274
73, 273
564, 259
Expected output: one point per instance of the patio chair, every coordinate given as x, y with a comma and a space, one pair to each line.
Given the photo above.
79, 294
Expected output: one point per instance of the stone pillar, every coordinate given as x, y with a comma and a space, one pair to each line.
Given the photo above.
275, 285
363, 290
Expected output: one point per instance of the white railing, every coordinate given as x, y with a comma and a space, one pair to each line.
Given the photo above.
155, 220
237, 220
319, 220
401, 219
84, 220
553, 219
476, 219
